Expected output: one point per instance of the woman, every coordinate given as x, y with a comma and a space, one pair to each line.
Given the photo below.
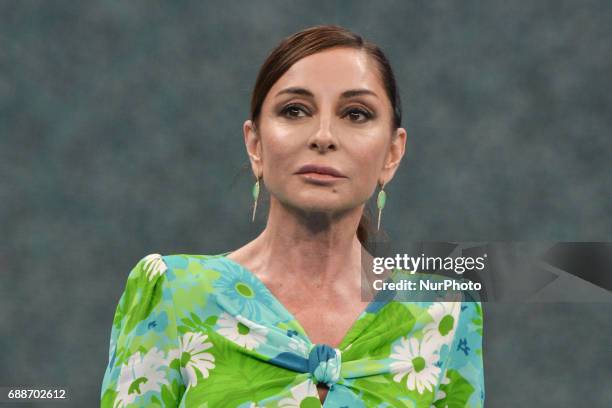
280, 322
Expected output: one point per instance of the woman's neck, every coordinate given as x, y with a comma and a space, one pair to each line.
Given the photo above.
316, 249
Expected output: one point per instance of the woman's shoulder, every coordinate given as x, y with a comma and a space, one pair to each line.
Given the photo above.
158, 279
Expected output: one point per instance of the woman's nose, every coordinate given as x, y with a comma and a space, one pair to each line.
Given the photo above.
324, 139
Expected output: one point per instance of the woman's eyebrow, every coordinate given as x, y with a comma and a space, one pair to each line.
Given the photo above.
357, 92
296, 90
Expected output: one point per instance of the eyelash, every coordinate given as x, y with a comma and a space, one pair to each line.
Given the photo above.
288, 108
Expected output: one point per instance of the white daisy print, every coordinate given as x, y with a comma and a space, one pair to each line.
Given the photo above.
141, 373
302, 395
241, 330
416, 360
154, 265
445, 316
194, 358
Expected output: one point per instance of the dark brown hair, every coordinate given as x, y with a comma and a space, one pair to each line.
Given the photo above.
310, 41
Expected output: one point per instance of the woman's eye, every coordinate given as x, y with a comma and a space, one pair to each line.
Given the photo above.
292, 111
358, 115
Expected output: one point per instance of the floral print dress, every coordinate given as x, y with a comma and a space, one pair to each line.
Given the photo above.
203, 331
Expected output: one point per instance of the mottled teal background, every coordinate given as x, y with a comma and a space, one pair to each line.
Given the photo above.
120, 127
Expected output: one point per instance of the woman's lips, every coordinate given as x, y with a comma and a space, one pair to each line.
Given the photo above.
319, 178
318, 169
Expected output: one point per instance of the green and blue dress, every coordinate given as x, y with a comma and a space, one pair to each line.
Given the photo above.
204, 331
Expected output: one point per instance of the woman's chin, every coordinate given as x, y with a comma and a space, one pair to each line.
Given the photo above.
322, 208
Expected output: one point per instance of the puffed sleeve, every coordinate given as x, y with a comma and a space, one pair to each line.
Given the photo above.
463, 382
144, 354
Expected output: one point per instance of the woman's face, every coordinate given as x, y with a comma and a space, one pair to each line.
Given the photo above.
329, 109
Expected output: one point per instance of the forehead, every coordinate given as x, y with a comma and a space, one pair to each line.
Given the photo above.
332, 71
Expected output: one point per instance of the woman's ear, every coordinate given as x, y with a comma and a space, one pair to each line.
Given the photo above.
395, 153
252, 141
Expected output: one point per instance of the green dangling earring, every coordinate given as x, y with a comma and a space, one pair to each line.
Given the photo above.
380, 202
255, 196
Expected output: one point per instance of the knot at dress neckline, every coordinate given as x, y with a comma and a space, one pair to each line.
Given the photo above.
324, 364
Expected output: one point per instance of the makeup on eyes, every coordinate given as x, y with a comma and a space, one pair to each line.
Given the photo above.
283, 108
